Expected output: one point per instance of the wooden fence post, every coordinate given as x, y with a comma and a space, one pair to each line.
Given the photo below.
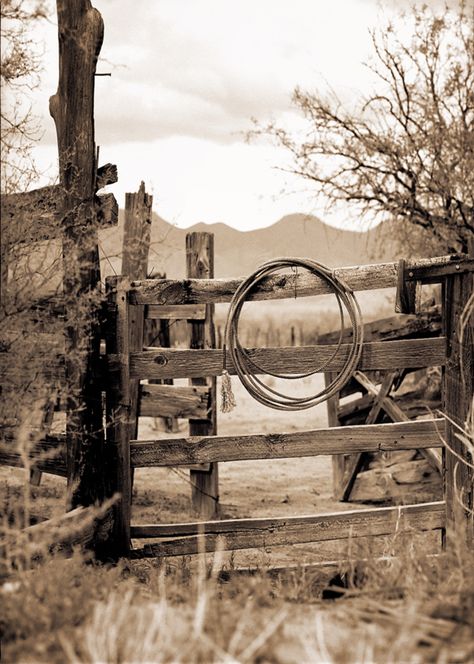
119, 425
458, 402
136, 245
80, 31
200, 265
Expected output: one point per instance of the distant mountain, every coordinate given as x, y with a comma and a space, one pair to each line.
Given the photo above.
238, 253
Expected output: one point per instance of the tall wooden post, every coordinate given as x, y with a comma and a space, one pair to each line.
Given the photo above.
200, 265
458, 401
80, 30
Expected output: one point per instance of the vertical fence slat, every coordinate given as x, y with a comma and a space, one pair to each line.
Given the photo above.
200, 265
458, 404
338, 461
118, 412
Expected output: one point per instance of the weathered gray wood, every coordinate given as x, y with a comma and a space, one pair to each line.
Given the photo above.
396, 414
35, 216
176, 312
79, 527
80, 29
424, 324
261, 533
47, 454
182, 363
354, 464
338, 460
336, 440
362, 277
204, 482
106, 174
172, 401
136, 245
137, 229
119, 425
458, 404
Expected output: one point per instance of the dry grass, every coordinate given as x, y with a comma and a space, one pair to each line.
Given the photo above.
412, 608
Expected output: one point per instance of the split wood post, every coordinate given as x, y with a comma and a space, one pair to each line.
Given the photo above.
136, 246
200, 265
458, 403
118, 406
80, 29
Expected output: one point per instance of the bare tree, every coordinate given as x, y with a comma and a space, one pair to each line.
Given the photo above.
406, 153
20, 71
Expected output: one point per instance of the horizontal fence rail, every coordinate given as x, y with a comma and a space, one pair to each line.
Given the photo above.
419, 434
184, 363
47, 454
358, 278
231, 534
172, 401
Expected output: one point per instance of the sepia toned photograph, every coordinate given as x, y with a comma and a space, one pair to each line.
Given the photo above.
237, 332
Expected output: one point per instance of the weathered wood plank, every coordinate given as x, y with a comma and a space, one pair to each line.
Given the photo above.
261, 533
359, 278
424, 324
176, 311
333, 440
182, 363
37, 215
48, 454
171, 401
79, 527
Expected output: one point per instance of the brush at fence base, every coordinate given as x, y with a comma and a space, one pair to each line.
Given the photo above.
246, 368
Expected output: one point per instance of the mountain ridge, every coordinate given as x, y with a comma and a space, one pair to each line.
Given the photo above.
239, 252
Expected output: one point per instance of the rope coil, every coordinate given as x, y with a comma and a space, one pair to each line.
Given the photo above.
246, 368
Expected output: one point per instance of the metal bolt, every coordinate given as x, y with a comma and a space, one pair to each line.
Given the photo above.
410, 274
161, 360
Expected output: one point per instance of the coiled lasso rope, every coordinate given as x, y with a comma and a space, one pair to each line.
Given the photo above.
246, 368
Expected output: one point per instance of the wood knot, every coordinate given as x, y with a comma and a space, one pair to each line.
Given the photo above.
161, 360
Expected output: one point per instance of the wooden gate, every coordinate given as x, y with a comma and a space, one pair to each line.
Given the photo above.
128, 364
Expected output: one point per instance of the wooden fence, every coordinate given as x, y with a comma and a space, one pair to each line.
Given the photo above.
127, 364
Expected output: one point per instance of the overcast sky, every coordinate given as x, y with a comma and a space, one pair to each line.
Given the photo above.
188, 76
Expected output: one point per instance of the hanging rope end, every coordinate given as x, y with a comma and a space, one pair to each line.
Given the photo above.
227, 396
